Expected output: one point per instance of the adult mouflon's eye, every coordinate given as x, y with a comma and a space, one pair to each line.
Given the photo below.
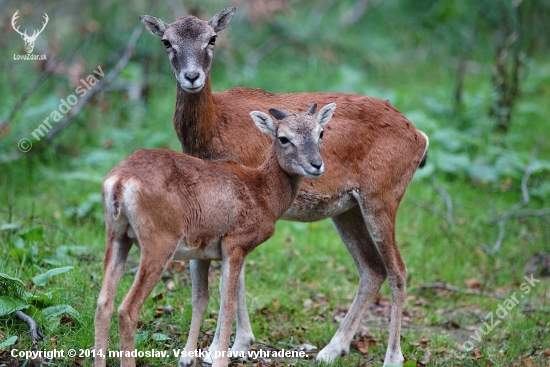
167, 43
283, 140
321, 135
212, 41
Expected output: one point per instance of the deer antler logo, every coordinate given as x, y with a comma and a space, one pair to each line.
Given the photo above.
29, 40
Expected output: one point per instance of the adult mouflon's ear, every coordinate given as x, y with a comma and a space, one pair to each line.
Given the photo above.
154, 25
221, 20
264, 123
325, 114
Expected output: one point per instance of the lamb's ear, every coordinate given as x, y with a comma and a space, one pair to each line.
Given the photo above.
154, 25
264, 123
312, 109
222, 19
325, 114
278, 114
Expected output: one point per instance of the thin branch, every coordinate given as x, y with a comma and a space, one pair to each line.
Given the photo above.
448, 202
50, 68
262, 51
42, 222
354, 15
452, 288
36, 334
533, 213
498, 242
448, 215
427, 206
102, 85
515, 211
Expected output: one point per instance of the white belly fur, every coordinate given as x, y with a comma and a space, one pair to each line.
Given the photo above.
211, 252
312, 208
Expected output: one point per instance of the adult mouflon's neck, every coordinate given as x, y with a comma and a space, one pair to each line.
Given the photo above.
195, 121
282, 187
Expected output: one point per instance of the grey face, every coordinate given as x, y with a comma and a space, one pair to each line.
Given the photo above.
298, 138
189, 43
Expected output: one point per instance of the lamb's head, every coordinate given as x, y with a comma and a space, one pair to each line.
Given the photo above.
297, 138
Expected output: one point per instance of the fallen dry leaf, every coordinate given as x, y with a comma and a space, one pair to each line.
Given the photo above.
176, 267
473, 283
362, 347
427, 357
170, 285
476, 353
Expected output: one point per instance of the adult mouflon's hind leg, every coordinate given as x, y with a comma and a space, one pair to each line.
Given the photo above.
233, 259
244, 337
201, 297
380, 217
353, 232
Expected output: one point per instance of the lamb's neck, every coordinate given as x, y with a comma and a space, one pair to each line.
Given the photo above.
283, 187
195, 121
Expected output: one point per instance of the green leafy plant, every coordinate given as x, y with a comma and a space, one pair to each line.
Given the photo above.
41, 306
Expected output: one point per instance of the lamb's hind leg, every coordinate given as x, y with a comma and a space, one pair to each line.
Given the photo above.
353, 231
116, 254
156, 253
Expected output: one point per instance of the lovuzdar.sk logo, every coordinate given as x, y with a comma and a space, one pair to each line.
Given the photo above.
29, 40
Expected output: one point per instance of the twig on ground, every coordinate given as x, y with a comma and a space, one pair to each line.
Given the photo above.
427, 206
516, 211
448, 214
102, 85
448, 202
452, 288
36, 334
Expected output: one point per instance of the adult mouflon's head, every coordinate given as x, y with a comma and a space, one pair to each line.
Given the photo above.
297, 137
189, 42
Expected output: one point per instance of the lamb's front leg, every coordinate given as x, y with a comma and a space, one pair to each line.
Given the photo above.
231, 269
201, 297
244, 337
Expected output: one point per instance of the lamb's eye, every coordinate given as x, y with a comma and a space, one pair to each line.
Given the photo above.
283, 140
167, 43
212, 41
321, 135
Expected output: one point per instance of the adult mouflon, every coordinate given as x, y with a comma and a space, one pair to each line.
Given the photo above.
371, 152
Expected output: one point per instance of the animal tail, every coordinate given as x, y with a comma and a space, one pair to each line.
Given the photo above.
112, 197
425, 156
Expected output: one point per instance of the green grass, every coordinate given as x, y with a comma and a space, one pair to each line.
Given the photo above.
301, 282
